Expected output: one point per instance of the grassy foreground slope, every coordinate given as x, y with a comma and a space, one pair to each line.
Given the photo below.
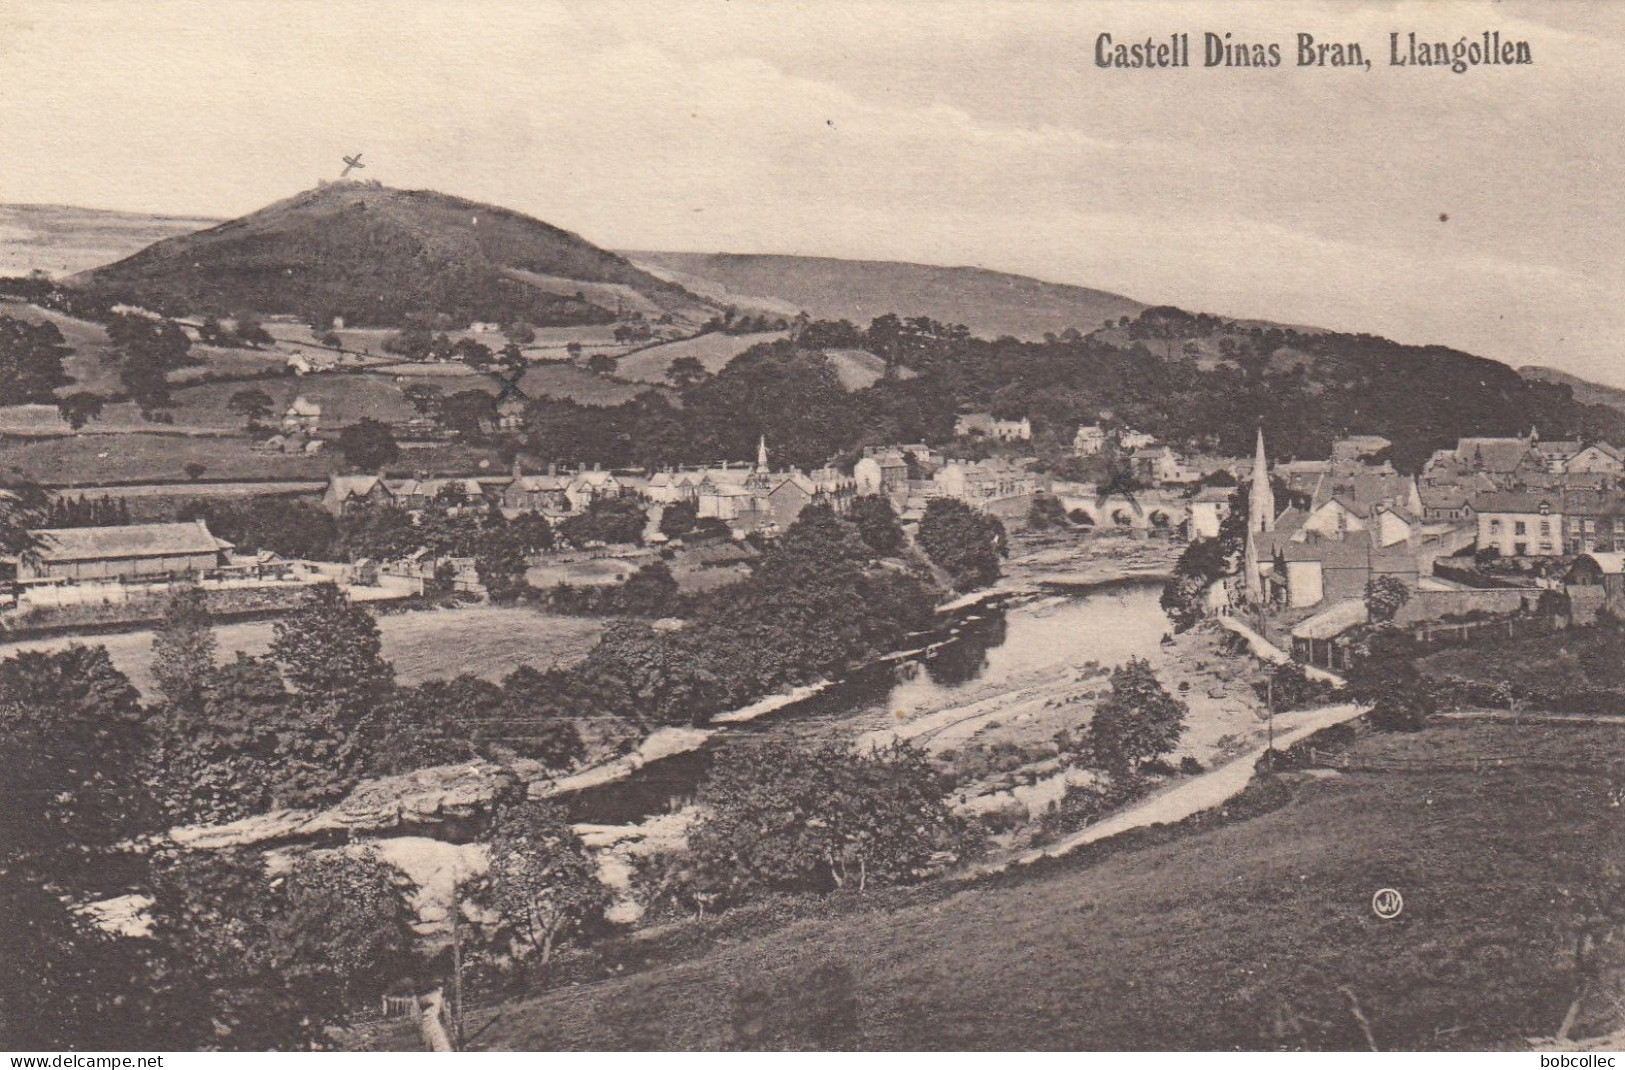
1240, 935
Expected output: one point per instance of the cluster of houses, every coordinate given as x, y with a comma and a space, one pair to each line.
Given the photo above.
1518, 497
911, 475
748, 498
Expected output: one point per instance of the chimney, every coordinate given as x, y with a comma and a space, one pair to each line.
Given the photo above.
552, 468
518, 472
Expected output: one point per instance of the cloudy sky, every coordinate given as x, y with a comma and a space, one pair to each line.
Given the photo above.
952, 133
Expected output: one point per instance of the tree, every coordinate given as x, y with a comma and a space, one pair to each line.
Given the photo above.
601, 364
962, 542
79, 408
530, 533
678, 519
23, 507
425, 398
501, 566
194, 469
413, 342
469, 411
877, 523
610, 520
213, 333
368, 445
541, 881
777, 815
244, 964
1046, 512
183, 650
220, 758
1139, 721
330, 652
344, 932
67, 983
520, 333
73, 737
684, 372
1385, 596
536, 712
253, 405
1384, 677
31, 359
474, 354
250, 332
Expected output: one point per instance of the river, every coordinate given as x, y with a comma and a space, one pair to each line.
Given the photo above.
981, 651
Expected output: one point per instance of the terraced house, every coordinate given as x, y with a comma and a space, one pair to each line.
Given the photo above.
1520, 523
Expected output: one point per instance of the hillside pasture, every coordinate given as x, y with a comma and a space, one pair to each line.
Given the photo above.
859, 369
573, 382
713, 350
147, 457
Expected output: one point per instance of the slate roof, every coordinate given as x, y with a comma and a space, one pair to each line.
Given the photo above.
1334, 621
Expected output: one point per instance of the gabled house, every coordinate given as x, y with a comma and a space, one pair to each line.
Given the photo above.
584, 487
346, 494
1089, 440
536, 494
1599, 458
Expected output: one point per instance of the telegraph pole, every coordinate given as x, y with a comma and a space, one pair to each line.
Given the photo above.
1269, 704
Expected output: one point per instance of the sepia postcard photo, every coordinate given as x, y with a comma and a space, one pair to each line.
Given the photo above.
753, 525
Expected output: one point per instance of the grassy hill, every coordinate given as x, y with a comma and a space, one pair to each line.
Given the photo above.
713, 350
1585, 391
377, 255
990, 303
1239, 931
62, 240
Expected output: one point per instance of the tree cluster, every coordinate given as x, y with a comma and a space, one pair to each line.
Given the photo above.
963, 542
782, 816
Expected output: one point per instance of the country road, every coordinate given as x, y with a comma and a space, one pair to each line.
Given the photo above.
1199, 793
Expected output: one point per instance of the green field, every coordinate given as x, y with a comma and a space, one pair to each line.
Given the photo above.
487, 641
1239, 934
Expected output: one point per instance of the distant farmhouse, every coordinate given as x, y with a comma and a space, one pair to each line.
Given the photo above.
302, 415
985, 425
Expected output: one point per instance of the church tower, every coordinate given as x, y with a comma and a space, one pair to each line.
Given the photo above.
761, 454
1261, 497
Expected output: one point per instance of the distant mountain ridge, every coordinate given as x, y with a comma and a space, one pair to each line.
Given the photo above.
377, 256
1585, 391
63, 240
990, 303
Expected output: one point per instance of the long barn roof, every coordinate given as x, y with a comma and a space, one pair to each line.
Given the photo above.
127, 540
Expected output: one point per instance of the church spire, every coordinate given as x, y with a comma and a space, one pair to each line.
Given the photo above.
1261, 498
761, 454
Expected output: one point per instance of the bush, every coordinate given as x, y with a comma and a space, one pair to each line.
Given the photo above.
1291, 688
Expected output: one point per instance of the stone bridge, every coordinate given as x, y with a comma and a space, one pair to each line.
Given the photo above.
1148, 510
